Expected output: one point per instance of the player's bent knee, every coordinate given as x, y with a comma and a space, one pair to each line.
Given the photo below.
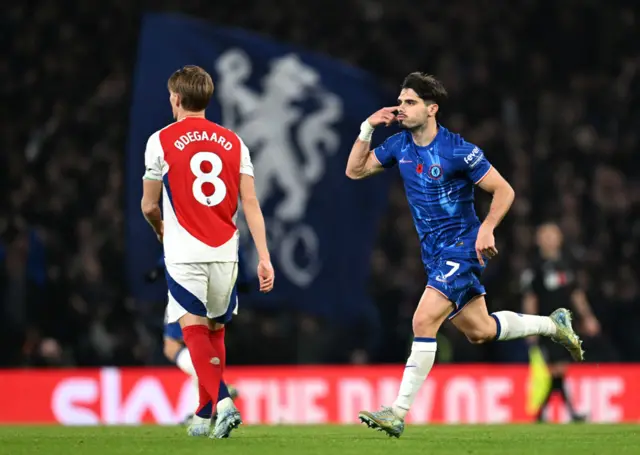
171, 348
480, 336
167, 352
424, 325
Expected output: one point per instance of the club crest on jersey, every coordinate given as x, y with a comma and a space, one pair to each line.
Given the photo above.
435, 171
287, 120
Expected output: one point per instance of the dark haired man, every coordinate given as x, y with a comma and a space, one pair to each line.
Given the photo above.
439, 169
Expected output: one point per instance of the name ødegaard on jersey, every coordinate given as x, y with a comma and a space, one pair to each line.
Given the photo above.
195, 136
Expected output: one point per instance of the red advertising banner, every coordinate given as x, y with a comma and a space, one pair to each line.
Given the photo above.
308, 395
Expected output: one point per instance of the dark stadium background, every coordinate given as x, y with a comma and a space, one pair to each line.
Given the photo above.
550, 89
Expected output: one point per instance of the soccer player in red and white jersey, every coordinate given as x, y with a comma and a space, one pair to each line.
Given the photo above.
203, 168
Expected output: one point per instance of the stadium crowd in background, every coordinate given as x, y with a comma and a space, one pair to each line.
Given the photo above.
557, 111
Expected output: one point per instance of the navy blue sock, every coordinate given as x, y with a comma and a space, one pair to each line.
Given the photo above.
223, 391
206, 411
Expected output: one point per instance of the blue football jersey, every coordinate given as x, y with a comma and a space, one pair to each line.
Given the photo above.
439, 183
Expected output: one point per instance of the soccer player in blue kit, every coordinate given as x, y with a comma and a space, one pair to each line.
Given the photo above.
440, 169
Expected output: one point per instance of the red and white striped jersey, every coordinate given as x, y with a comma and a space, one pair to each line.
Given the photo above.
200, 163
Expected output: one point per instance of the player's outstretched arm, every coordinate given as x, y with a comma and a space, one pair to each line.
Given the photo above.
503, 196
150, 205
362, 162
255, 221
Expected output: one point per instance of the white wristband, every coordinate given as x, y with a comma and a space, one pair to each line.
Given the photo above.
366, 131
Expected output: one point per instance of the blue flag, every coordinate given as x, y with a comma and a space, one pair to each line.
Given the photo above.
299, 113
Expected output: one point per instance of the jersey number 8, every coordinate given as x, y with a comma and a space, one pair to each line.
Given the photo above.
211, 177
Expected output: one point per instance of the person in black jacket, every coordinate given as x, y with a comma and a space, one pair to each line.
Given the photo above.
550, 284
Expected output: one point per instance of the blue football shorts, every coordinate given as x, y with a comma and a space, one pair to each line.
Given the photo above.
456, 278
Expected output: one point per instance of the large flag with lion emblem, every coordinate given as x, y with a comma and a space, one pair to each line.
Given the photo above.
299, 114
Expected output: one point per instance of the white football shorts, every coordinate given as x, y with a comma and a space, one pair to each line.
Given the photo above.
203, 289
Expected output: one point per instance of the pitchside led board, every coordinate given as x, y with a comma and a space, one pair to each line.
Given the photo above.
298, 113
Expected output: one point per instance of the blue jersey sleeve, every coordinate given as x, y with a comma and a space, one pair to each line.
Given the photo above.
386, 152
471, 161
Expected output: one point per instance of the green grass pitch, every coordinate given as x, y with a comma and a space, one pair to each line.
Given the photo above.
333, 440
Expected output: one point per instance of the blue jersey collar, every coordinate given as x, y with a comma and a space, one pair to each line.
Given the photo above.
434, 141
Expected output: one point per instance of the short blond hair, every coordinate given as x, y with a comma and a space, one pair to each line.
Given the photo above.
194, 86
